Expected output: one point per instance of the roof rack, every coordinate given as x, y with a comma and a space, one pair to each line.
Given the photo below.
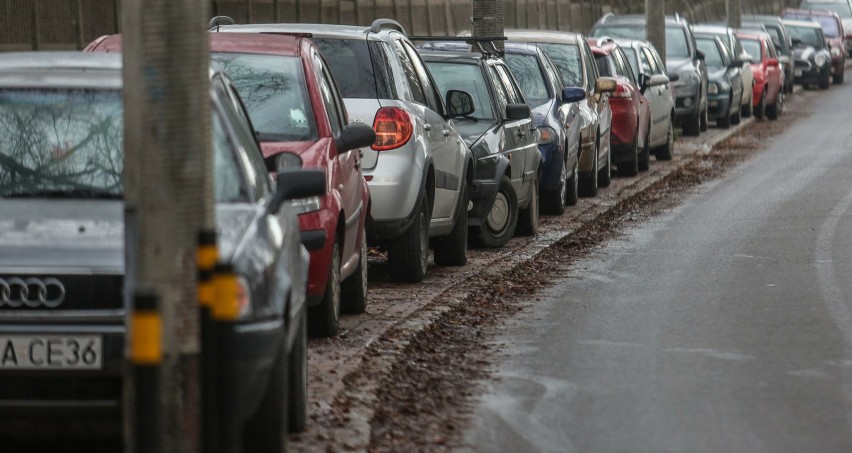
379, 24
477, 41
218, 21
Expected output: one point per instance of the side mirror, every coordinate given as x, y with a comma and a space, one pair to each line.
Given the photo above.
796, 42
459, 103
573, 94
297, 183
516, 112
605, 85
355, 136
673, 76
699, 55
657, 80
772, 63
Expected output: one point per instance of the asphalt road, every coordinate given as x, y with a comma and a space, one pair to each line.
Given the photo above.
723, 325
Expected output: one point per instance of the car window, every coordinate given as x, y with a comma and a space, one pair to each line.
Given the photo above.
515, 95
414, 84
605, 65
651, 62
676, 42
465, 77
567, 59
809, 36
246, 148
752, 47
633, 61
775, 34
433, 98
227, 175
553, 75
712, 53
274, 92
591, 69
771, 50
529, 75
358, 67
623, 66
327, 91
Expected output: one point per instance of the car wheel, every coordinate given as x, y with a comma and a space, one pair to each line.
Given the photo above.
666, 151
297, 406
324, 319
408, 255
451, 250
266, 430
705, 119
631, 167
354, 289
645, 155
826, 82
605, 176
573, 189
748, 110
760, 111
774, 111
499, 224
737, 117
838, 78
553, 201
692, 126
528, 219
589, 184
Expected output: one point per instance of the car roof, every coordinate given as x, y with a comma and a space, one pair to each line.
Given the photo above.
261, 43
714, 29
451, 55
547, 36
801, 23
751, 35
330, 31
638, 19
61, 69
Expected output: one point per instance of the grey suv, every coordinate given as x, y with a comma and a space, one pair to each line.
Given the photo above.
682, 58
419, 168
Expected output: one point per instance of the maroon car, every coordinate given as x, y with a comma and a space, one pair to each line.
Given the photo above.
832, 29
300, 121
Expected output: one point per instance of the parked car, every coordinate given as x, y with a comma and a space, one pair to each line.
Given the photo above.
768, 75
650, 73
735, 50
64, 309
726, 82
419, 168
573, 59
780, 38
631, 112
682, 58
843, 8
810, 50
502, 136
833, 33
304, 124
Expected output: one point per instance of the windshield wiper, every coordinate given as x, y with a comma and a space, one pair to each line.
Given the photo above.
473, 118
71, 193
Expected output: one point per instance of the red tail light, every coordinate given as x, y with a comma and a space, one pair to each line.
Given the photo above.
621, 92
393, 128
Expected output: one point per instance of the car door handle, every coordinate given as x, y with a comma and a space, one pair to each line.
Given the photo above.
427, 127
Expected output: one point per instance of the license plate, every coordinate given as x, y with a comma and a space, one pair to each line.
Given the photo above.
797, 73
51, 352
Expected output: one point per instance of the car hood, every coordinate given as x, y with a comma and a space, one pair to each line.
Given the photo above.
84, 235
676, 65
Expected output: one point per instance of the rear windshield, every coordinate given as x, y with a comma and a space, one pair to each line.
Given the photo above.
829, 24
359, 67
464, 77
841, 8
528, 74
274, 92
567, 59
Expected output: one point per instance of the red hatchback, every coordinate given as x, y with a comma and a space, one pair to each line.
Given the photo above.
300, 120
768, 75
631, 112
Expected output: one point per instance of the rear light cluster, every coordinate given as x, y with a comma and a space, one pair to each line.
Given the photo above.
393, 128
621, 92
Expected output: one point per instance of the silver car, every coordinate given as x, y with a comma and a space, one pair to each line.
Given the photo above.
419, 168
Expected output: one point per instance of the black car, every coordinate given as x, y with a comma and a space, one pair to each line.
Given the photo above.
812, 60
62, 304
500, 133
725, 89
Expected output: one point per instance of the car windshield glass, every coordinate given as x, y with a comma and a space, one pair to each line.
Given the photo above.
630, 53
712, 56
620, 32
61, 143
808, 35
841, 8
566, 57
464, 77
829, 24
528, 74
274, 92
752, 47
676, 45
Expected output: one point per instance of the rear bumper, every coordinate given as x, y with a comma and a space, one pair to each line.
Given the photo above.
625, 124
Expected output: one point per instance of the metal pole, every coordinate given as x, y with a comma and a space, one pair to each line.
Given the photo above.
655, 14
168, 200
734, 11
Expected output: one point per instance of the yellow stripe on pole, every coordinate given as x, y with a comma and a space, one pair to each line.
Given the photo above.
146, 344
206, 257
226, 290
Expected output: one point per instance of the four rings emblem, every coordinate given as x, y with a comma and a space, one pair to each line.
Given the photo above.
31, 292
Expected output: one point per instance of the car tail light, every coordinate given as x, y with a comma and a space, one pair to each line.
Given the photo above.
393, 128
620, 92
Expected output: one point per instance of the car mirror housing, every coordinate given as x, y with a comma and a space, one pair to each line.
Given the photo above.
297, 183
459, 103
355, 136
657, 80
773, 62
573, 94
605, 85
515, 112
673, 77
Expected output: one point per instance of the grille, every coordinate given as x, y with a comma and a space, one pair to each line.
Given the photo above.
82, 292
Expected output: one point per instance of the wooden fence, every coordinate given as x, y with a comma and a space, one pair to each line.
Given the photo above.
71, 24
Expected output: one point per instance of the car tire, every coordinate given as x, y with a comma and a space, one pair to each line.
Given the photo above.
354, 289
838, 78
705, 119
666, 151
451, 250
324, 319
760, 111
774, 111
737, 117
297, 380
529, 218
573, 187
631, 167
266, 430
589, 183
692, 125
408, 255
605, 176
825, 83
499, 225
748, 110
553, 202
645, 155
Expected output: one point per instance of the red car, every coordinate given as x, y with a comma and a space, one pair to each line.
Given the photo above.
768, 74
832, 29
300, 120
631, 112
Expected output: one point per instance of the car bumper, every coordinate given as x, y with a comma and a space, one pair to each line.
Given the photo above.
810, 74
623, 135
718, 106
395, 186
551, 166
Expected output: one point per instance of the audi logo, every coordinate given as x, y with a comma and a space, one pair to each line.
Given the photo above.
31, 292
